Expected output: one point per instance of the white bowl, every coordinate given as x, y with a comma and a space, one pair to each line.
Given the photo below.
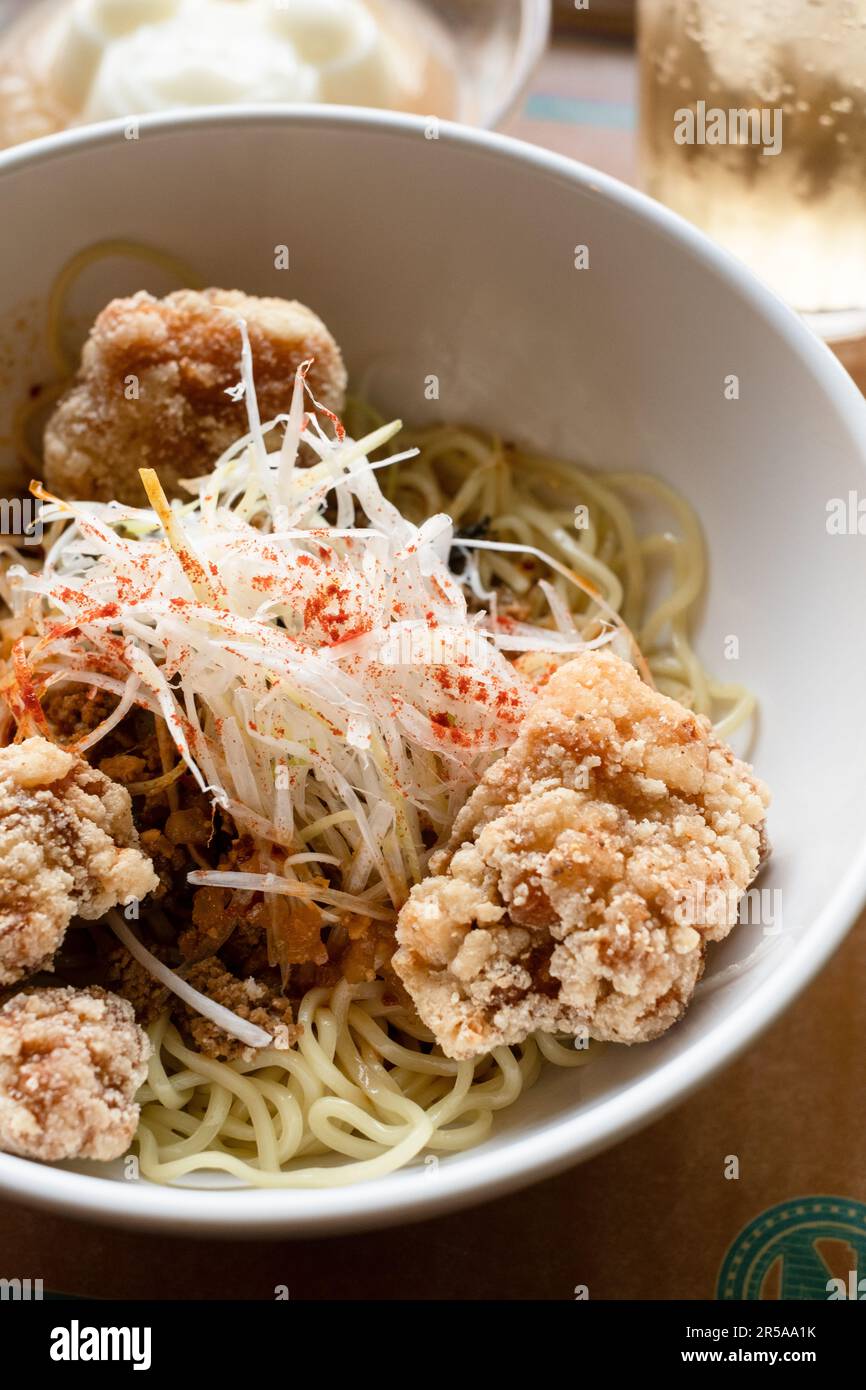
455, 256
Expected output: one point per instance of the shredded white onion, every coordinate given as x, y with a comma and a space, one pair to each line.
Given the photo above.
313, 657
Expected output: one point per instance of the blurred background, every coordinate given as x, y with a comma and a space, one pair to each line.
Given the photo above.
749, 120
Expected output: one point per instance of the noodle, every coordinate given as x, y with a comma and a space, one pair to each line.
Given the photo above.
332, 1094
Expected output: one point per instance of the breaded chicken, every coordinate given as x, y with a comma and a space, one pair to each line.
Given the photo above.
71, 1062
67, 846
151, 388
586, 873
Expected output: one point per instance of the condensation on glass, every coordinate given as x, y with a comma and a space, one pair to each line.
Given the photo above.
789, 74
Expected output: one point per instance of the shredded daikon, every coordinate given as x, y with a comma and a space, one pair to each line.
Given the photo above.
307, 648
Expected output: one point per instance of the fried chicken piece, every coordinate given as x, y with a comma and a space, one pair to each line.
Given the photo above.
151, 388
71, 1062
67, 846
587, 871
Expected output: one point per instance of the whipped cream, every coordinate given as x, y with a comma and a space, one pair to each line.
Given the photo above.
126, 57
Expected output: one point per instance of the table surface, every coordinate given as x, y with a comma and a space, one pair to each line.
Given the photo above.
651, 1218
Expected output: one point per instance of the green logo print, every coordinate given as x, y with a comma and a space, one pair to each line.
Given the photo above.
807, 1248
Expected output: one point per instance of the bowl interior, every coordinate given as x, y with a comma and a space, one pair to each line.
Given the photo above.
455, 257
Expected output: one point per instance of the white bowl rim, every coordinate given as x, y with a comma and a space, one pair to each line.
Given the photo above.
411, 1195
